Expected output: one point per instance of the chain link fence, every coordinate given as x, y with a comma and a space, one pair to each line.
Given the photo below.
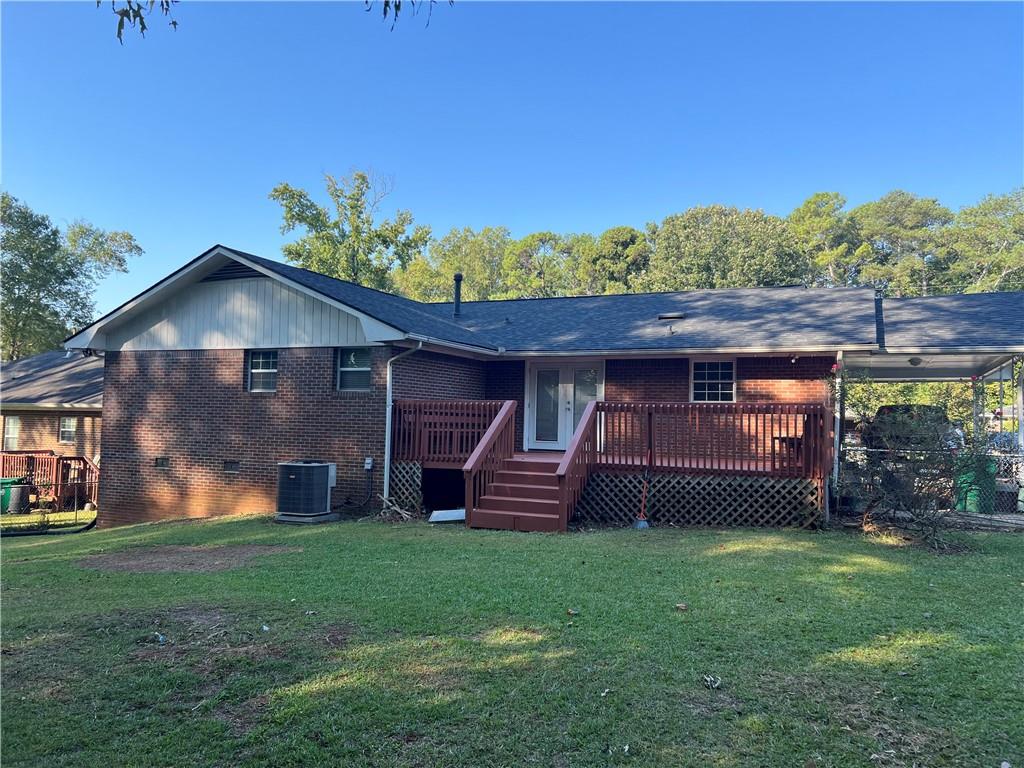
27, 506
960, 485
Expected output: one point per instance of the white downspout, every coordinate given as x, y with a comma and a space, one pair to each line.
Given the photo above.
387, 417
839, 414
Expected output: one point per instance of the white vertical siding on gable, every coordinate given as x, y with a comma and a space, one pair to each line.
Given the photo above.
249, 313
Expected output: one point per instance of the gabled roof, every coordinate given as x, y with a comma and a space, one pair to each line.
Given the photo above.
51, 380
397, 311
960, 321
753, 319
744, 320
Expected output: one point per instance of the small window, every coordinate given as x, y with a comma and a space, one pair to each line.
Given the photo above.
233, 466
68, 429
12, 429
162, 462
354, 368
263, 371
714, 381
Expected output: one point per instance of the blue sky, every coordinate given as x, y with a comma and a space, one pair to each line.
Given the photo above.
571, 117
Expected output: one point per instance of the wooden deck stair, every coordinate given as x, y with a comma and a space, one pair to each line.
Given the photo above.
523, 495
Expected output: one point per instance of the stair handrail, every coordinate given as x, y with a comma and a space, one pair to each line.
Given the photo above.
574, 468
497, 444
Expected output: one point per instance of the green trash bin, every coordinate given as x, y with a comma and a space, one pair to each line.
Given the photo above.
6, 484
976, 485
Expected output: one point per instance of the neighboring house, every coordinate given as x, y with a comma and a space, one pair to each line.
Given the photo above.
535, 410
53, 402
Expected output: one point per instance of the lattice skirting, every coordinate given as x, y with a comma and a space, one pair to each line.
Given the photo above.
705, 500
407, 485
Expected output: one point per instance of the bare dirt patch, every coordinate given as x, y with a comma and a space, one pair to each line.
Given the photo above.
243, 717
179, 559
336, 636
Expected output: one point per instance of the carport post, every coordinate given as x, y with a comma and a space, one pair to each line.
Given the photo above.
1019, 402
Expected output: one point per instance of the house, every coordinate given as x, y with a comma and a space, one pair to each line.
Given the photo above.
53, 402
708, 407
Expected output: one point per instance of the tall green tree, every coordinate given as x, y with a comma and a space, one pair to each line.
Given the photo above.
476, 254
828, 237
721, 247
536, 266
612, 262
49, 277
985, 245
349, 243
904, 232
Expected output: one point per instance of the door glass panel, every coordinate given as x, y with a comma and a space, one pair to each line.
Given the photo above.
584, 389
546, 425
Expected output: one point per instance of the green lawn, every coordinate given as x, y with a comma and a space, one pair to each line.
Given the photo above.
416, 646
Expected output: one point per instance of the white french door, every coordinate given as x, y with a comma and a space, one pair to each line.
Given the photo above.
556, 394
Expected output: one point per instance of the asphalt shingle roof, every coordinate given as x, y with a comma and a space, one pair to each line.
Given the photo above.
959, 321
397, 311
53, 378
745, 318
750, 318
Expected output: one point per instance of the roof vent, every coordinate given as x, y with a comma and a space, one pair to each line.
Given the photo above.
671, 315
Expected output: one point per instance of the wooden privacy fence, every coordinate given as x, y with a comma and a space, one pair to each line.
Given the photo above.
440, 433
52, 476
784, 440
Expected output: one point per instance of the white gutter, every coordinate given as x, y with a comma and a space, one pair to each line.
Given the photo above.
387, 417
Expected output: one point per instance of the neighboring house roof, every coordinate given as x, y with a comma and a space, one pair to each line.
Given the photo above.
51, 380
961, 321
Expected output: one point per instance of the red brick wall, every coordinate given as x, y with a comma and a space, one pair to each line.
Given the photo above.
433, 376
192, 407
39, 432
506, 380
656, 380
779, 379
759, 379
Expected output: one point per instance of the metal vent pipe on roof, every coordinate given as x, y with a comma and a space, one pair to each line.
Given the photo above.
457, 309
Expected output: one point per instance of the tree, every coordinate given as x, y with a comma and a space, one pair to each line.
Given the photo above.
351, 245
536, 266
720, 247
134, 13
50, 277
477, 255
903, 231
985, 243
612, 262
828, 238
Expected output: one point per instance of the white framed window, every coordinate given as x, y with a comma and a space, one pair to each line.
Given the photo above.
12, 430
353, 369
68, 429
713, 381
263, 371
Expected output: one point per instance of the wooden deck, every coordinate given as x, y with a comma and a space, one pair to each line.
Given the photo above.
772, 440
66, 481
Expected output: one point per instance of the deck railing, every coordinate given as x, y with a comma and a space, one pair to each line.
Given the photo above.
774, 439
779, 439
440, 433
574, 469
497, 445
52, 476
